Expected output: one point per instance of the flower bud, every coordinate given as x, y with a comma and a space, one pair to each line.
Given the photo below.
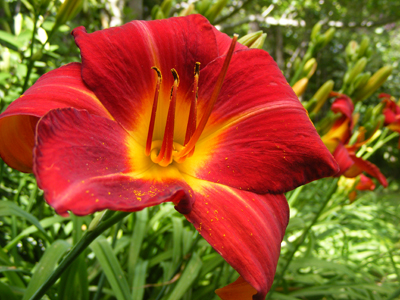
362, 49
253, 40
166, 6
187, 11
215, 10
309, 68
315, 31
67, 11
355, 70
300, 86
322, 95
157, 13
361, 80
259, 43
328, 36
203, 6
373, 83
351, 51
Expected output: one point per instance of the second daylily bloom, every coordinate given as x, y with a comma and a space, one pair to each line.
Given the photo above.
391, 113
337, 141
172, 110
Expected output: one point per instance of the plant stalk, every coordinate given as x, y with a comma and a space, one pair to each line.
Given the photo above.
328, 195
83, 243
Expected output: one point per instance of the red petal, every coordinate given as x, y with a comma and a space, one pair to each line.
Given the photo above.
343, 159
245, 228
390, 116
85, 163
117, 62
62, 87
224, 41
340, 132
365, 183
237, 290
259, 136
344, 105
361, 165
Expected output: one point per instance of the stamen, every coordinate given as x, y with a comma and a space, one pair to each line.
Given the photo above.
164, 158
153, 112
192, 121
196, 135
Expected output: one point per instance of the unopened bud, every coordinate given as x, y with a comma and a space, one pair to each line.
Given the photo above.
355, 70
157, 13
187, 11
253, 40
351, 50
328, 36
322, 95
309, 68
373, 83
362, 49
166, 6
259, 43
68, 10
361, 80
315, 31
300, 86
203, 6
215, 9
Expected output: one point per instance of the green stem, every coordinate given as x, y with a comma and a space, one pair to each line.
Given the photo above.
302, 238
31, 61
394, 295
380, 143
84, 242
306, 57
234, 12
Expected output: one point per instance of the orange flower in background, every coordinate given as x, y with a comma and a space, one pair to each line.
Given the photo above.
172, 111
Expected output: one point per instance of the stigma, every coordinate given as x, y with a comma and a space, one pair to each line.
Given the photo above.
164, 152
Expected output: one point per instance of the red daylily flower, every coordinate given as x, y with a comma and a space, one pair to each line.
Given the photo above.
223, 144
391, 113
337, 140
364, 183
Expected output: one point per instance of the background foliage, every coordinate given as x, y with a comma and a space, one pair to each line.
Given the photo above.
333, 249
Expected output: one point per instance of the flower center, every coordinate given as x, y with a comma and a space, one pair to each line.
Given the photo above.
165, 151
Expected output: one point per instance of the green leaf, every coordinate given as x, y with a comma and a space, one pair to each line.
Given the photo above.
8, 208
6, 293
177, 241
187, 278
74, 281
10, 39
12, 277
46, 266
139, 280
45, 223
210, 262
139, 232
111, 267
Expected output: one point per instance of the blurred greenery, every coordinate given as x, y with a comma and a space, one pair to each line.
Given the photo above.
333, 248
